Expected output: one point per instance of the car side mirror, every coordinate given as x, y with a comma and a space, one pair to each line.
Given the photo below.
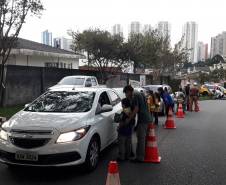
104, 108
26, 105
88, 84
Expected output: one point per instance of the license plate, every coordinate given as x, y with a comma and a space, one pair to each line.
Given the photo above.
26, 156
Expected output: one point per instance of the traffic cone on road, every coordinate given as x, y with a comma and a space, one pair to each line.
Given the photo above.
180, 112
113, 174
170, 124
151, 151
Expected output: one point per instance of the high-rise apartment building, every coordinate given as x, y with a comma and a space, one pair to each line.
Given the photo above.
62, 43
218, 45
147, 28
164, 29
202, 51
135, 28
117, 30
190, 33
46, 38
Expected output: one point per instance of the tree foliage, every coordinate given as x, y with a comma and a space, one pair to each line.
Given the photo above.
148, 50
104, 51
13, 14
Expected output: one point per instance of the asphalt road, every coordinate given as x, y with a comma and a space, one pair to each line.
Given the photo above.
192, 154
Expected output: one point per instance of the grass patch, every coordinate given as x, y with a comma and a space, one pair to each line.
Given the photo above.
8, 112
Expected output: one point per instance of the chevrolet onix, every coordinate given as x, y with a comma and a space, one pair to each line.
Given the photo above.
60, 128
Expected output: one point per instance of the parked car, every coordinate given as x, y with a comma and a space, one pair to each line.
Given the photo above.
77, 81
62, 127
204, 90
217, 93
222, 89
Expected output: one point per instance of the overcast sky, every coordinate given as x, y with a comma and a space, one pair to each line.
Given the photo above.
61, 15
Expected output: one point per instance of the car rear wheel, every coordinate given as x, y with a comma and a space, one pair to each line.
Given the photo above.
93, 153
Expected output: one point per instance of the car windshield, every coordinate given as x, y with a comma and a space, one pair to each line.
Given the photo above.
72, 81
76, 102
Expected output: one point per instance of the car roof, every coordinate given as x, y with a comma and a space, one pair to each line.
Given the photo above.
79, 89
80, 76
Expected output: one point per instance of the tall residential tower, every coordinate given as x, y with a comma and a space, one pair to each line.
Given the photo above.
190, 33
218, 45
117, 30
135, 28
164, 29
46, 38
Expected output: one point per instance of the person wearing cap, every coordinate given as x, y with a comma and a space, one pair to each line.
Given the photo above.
139, 108
194, 93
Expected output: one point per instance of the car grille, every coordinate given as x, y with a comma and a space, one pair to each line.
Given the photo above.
39, 132
28, 143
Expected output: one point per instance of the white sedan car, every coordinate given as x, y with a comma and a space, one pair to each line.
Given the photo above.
60, 128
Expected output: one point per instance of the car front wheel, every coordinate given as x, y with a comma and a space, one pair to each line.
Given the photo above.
92, 156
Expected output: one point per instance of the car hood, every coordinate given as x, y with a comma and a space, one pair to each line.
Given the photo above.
33, 120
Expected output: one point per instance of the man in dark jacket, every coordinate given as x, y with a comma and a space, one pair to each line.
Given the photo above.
139, 108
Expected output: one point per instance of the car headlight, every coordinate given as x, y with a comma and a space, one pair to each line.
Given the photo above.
3, 135
73, 136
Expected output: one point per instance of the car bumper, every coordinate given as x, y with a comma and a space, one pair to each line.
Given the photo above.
66, 154
61, 159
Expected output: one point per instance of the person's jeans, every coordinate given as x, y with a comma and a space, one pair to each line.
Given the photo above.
194, 100
141, 132
156, 118
125, 146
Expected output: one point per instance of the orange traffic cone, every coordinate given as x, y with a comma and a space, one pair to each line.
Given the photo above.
180, 112
170, 124
151, 151
113, 174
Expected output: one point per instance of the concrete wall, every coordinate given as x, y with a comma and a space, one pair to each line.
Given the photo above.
24, 84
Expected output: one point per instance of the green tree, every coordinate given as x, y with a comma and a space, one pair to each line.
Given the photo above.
13, 14
104, 50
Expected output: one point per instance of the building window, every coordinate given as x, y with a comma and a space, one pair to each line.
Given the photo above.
52, 64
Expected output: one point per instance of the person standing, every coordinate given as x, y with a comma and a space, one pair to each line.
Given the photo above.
154, 105
125, 132
167, 99
187, 95
181, 99
194, 94
151, 102
139, 108
157, 108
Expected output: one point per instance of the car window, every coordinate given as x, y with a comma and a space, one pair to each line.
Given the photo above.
94, 82
88, 80
115, 99
62, 101
72, 81
103, 99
